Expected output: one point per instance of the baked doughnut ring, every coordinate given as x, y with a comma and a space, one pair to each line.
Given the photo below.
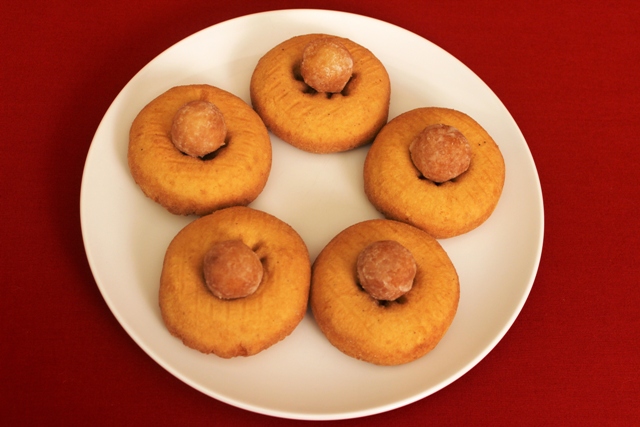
383, 333
185, 185
243, 326
396, 188
320, 122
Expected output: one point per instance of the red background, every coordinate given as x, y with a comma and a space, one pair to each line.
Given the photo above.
568, 72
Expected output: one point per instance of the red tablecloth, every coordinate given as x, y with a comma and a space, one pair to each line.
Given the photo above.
568, 72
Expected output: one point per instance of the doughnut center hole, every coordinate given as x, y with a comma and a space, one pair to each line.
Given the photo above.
213, 154
437, 184
308, 90
255, 248
347, 88
382, 303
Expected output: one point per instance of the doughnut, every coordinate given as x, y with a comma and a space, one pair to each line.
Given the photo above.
383, 332
320, 122
397, 189
234, 174
241, 326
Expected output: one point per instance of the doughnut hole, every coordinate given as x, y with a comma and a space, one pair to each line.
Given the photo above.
232, 270
326, 65
198, 129
440, 152
386, 270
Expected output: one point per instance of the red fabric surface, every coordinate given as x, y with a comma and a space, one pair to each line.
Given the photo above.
567, 71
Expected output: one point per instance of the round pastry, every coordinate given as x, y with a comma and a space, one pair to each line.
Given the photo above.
383, 332
399, 190
320, 122
241, 326
234, 174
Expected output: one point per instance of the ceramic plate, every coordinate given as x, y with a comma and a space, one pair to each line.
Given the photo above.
304, 377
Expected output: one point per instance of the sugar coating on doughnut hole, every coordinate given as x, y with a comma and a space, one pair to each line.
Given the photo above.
326, 65
386, 270
198, 128
440, 152
232, 270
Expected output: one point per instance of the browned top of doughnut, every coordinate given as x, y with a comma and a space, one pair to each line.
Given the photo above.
383, 333
396, 188
243, 326
319, 122
190, 185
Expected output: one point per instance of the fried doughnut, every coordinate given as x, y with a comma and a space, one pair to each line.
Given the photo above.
234, 174
398, 190
242, 326
320, 122
383, 332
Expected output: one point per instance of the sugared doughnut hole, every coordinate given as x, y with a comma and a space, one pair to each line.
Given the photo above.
386, 270
198, 128
232, 270
440, 152
326, 65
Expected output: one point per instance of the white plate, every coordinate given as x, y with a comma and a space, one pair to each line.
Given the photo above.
304, 377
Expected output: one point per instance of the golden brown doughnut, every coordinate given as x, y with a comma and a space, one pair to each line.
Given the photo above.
383, 333
243, 326
320, 122
236, 173
396, 188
